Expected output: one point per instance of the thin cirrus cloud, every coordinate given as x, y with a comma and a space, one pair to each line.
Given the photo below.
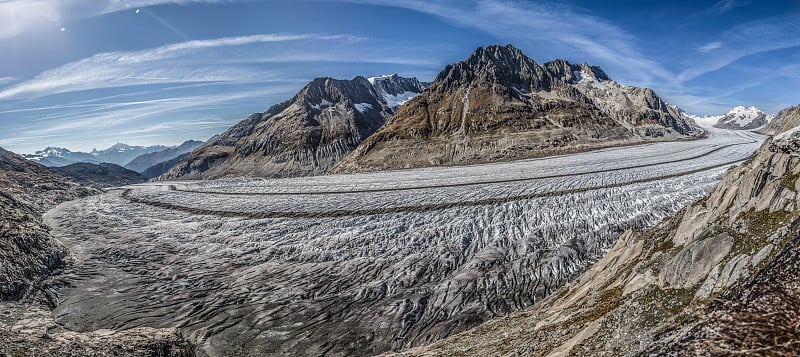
724, 6
164, 64
745, 40
135, 121
710, 46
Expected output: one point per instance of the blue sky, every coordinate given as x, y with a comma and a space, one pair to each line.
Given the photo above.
86, 74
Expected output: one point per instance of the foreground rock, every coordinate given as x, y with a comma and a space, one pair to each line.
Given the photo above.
717, 279
499, 105
305, 135
29, 330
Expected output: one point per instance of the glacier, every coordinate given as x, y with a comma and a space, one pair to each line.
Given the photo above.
361, 264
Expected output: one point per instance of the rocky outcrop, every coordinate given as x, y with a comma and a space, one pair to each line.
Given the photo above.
305, 135
717, 279
101, 175
29, 330
499, 104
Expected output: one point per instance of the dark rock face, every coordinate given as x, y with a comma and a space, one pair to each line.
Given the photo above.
101, 175
146, 161
305, 135
499, 104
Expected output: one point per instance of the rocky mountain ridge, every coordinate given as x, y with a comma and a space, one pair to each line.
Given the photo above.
305, 135
499, 104
119, 154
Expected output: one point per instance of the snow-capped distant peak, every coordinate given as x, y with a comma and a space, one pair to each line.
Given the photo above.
738, 118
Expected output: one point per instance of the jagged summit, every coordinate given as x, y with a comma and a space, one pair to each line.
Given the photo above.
505, 65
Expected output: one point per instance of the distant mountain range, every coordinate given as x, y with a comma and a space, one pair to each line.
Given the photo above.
136, 158
738, 118
145, 161
119, 154
305, 135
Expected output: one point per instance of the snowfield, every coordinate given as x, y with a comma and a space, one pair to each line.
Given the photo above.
365, 263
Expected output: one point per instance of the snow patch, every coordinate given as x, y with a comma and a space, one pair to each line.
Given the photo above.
577, 75
362, 107
321, 105
394, 101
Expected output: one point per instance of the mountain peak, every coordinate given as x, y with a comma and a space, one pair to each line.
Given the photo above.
505, 65
507, 55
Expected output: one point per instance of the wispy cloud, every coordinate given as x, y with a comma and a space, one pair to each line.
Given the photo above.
746, 39
171, 63
710, 46
724, 6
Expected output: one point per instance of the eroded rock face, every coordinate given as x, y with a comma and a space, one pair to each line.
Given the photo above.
717, 279
303, 136
499, 104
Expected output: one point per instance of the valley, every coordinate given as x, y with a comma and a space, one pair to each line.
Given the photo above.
361, 264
